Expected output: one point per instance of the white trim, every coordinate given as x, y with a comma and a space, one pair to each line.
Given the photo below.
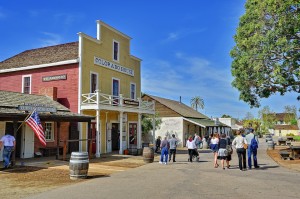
52, 131
113, 29
72, 61
23, 76
80, 126
118, 52
112, 86
81, 34
193, 122
97, 80
132, 83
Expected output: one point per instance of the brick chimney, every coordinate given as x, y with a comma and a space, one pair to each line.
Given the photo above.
49, 91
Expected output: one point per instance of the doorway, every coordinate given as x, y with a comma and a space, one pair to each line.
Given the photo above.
9, 127
115, 136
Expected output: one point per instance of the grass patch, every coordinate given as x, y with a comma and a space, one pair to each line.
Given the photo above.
297, 137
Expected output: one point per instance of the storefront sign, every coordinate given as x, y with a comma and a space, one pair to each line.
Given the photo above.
131, 102
55, 78
37, 107
113, 66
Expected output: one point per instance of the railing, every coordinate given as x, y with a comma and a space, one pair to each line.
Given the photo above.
116, 101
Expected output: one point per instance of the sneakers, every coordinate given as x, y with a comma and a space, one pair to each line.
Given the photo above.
160, 162
257, 167
165, 163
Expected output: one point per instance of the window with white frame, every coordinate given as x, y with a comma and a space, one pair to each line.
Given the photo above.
115, 91
49, 131
94, 82
116, 50
132, 91
26, 84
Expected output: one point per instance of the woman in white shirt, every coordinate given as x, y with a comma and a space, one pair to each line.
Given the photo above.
214, 146
238, 143
190, 144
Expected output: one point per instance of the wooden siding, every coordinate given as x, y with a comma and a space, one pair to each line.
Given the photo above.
67, 90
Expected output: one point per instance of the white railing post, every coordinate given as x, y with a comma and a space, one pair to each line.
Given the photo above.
121, 100
98, 135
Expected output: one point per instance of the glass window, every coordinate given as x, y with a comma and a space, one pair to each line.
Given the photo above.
132, 91
116, 51
49, 131
26, 84
115, 91
94, 82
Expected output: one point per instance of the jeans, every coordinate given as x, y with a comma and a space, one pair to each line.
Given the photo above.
164, 154
241, 152
6, 155
250, 152
172, 151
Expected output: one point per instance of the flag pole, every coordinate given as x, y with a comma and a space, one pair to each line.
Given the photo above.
25, 120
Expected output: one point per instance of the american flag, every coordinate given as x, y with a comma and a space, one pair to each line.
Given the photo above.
35, 124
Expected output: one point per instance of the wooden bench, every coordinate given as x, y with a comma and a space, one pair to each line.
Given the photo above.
281, 142
50, 151
284, 155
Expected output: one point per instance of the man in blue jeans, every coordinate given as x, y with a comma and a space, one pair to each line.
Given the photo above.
164, 151
9, 143
250, 150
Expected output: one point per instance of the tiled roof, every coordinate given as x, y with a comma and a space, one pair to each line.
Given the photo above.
9, 102
179, 107
286, 127
45, 55
207, 122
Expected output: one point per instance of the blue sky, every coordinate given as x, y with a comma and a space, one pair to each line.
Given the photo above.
184, 45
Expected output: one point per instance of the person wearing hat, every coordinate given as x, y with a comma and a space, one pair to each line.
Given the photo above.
9, 143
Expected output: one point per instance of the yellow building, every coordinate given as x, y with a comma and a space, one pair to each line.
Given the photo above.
110, 89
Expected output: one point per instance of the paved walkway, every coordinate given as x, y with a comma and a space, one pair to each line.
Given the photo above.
189, 180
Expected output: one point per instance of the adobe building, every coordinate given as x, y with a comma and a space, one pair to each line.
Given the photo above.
94, 76
182, 120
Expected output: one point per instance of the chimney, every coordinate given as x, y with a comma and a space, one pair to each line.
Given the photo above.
180, 99
49, 91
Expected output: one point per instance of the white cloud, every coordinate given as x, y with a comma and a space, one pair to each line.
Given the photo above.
50, 39
176, 35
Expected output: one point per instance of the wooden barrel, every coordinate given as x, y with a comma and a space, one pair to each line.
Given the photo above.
79, 165
148, 154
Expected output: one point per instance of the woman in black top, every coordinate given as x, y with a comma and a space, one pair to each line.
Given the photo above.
223, 153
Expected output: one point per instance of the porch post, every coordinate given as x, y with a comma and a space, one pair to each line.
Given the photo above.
121, 133
139, 132
153, 124
58, 140
98, 135
13, 155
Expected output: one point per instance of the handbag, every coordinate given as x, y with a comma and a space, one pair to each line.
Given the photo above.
228, 148
245, 146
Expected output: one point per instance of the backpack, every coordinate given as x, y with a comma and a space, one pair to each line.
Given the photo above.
228, 148
254, 144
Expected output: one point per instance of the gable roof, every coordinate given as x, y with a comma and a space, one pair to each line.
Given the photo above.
10, 101
286, 127
179, 107
45, 55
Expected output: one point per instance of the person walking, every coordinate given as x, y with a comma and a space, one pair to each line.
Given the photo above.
157, 144
9, 143
173, 146
252, 148
222, 152
190, 144
164, 151
214, 146
238, 143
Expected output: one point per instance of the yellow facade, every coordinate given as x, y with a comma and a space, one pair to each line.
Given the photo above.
90, 49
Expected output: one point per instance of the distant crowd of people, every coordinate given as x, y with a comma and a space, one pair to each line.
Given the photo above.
220, 145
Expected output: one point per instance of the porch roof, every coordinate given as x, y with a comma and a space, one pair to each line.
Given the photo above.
205, 122
10, 101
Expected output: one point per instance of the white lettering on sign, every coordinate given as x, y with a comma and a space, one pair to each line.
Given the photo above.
113, 66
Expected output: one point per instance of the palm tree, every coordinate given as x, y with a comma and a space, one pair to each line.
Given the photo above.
196, 102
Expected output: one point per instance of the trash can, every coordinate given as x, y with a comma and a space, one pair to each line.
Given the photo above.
148, 155
79, 165
271, 145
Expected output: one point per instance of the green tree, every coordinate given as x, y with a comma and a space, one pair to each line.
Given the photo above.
147, 123
196, 102
225, 116
290, 114
253, 123
268, 119
266, 56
